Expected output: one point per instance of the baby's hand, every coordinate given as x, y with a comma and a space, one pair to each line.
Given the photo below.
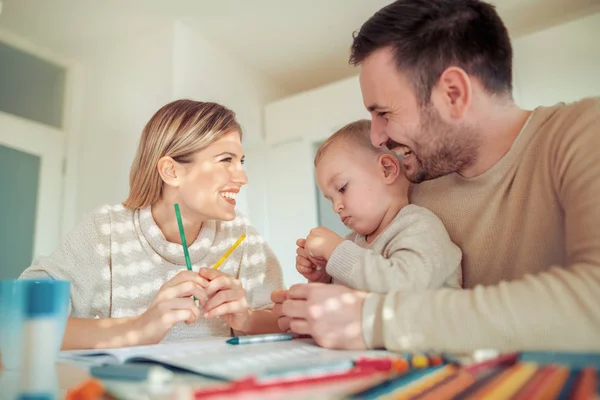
311, 268
321, 242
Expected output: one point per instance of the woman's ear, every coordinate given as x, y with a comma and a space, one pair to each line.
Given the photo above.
390, 167
167, 169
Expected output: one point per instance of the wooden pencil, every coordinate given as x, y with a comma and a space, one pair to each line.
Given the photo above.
586, 385
513, 382
424, 383
536, 383
449, 388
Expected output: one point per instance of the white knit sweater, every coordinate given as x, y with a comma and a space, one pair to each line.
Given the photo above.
118, 258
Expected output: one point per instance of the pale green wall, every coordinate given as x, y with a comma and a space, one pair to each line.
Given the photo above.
19, 178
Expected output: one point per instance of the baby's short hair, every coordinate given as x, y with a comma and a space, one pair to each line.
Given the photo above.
356, 133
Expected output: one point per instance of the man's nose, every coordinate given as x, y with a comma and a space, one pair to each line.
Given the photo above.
378, 136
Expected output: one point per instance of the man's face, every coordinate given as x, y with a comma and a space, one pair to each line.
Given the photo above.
429, 145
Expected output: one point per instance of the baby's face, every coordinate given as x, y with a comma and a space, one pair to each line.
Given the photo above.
351, 179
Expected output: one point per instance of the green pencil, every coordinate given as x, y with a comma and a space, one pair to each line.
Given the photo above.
186, 253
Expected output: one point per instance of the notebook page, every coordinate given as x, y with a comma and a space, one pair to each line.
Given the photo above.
124, 354
213, 357
229, 362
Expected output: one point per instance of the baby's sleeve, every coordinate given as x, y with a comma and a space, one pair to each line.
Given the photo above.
418, 255
83, 259
260, 272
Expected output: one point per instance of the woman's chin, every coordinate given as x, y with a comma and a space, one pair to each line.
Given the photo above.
226, 215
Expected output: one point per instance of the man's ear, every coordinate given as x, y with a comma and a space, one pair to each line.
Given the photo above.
390, 167
168, 171
453, 93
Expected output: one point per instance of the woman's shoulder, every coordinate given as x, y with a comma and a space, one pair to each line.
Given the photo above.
107, 217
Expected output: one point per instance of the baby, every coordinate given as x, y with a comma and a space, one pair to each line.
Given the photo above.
393, 245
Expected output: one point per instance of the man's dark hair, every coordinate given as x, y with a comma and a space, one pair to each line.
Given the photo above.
428, 36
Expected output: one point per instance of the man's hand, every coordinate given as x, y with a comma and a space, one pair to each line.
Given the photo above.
331, 314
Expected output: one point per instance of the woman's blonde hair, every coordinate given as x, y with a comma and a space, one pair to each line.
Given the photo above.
178, 130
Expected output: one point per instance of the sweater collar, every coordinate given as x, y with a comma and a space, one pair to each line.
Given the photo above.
173, 252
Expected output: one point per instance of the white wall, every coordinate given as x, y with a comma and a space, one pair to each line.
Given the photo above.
124, 84
560, 63
315, 114
203, 71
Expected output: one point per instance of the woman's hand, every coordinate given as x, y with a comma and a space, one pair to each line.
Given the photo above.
172, 304
226, 298
278, 297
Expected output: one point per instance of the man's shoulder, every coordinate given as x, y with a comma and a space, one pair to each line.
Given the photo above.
565, 118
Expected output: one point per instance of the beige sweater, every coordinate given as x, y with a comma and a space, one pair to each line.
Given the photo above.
529, 229
413, 253
117, 259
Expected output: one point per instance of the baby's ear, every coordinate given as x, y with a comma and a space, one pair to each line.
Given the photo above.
390, 167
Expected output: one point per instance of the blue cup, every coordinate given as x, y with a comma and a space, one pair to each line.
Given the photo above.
24, 300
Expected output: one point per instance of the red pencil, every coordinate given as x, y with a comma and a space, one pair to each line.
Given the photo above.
364, 368
504, 359
587, 382
537, 383
449, 388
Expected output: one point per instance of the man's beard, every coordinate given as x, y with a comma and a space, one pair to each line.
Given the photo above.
442, 148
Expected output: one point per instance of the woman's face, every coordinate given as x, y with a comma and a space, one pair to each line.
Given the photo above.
210, 183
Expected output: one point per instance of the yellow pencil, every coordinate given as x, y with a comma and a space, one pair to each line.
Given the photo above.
519, 376
231, 249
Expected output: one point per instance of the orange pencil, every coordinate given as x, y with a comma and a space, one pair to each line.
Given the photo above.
513, 382
495, 381
551, 389
536, 383
450, 388
585, 387
425, 383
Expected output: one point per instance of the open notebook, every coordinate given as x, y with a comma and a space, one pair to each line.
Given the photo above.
213, 357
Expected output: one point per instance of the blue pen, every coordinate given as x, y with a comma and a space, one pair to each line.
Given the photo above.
270, 337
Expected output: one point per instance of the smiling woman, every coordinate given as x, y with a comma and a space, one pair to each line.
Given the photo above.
126, 264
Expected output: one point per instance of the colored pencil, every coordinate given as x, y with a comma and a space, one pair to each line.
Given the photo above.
536, 383
555, 383
482, 379
450, 387
425, 383
393, 384
493, 383
186, 253
228, 252
586, 385
509, 386
567, 389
